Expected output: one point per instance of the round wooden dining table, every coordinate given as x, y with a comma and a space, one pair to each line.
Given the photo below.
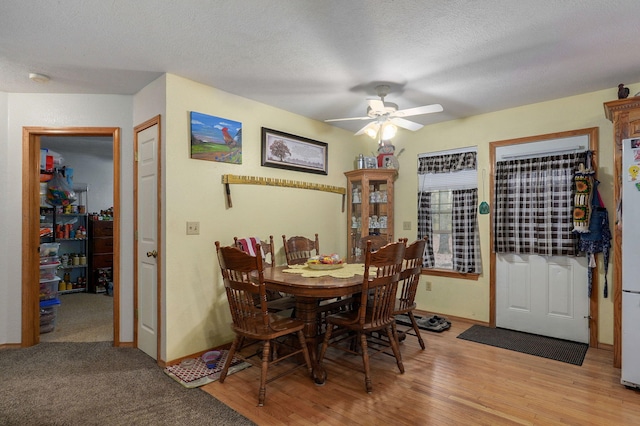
309, 292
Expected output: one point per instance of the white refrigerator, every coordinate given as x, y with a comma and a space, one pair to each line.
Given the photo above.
630, 375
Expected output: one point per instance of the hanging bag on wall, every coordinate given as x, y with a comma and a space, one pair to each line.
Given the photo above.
59, 192
598, 238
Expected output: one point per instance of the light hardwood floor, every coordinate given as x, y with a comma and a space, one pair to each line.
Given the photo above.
452, 382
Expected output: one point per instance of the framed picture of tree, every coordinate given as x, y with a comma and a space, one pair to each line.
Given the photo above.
285, 151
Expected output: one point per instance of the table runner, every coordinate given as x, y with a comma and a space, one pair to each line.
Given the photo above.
347, 271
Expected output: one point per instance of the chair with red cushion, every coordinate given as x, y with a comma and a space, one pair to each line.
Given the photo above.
277, 302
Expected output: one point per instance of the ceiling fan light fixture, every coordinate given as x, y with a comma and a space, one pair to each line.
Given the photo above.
372, 131
386, 117
389, 130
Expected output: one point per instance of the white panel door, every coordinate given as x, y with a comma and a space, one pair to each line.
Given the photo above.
147, 247
543, 295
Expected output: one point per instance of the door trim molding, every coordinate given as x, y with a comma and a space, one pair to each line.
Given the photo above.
136, 130
592, 132
31, 224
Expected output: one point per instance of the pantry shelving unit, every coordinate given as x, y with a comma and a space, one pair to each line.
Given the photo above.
67, 226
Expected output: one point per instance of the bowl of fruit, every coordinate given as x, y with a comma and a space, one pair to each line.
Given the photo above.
325, 262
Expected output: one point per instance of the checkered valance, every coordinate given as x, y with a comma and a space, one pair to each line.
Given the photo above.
447, 163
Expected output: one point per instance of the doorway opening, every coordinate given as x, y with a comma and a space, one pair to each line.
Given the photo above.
85, 312
32, 142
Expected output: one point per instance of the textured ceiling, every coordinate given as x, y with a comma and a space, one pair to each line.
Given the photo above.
323, 58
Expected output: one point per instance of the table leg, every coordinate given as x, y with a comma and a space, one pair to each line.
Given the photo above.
307, 311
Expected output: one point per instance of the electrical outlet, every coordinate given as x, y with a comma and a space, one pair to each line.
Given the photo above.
427, 285
193, 228
406, 226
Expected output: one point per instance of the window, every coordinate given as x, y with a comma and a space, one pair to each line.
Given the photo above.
441, 218
447, 211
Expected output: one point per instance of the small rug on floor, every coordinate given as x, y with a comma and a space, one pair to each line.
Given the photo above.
198, 374
532, 344
433, 323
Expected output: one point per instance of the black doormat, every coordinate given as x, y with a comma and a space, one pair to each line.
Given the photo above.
532, 344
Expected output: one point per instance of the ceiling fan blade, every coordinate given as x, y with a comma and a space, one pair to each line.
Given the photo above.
406, 124
373, 124
376, 104
426, 109
347, 119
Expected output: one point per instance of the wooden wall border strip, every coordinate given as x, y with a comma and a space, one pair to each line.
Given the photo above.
253, 180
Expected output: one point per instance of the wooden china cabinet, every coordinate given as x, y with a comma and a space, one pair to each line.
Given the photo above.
370, 210
625, 115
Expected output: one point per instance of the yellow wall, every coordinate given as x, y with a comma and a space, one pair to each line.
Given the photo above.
470, 299
196, 307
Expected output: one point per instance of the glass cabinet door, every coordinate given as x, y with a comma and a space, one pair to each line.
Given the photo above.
356, 207
378, 208
370, 193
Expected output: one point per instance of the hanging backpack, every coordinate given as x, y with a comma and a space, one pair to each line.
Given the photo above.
597, 239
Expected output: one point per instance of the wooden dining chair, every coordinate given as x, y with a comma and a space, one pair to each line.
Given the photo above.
377, 241
244, 284
298, 249
276, 301
408, 284
374, 311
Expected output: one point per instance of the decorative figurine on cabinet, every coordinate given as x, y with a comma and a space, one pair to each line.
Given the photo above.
356, 195
623, 92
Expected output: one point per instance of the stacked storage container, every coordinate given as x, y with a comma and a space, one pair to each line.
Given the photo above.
49, 301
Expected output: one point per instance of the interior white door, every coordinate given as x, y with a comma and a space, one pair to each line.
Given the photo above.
147, 241
543, 295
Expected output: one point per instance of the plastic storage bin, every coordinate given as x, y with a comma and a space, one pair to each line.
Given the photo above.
48, 315
49, 249
48, 272
49, 260
49, 289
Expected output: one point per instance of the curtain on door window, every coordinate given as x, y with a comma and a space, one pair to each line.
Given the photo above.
464, 227
533, 205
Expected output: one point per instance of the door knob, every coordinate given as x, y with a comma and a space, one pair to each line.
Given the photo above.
152, 254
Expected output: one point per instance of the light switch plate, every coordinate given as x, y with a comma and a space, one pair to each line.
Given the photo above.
406, 226
193, 228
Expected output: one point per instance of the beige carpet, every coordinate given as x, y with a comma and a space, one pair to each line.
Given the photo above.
83, 317
94, 383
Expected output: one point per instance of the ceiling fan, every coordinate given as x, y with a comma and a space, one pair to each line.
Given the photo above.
386, 116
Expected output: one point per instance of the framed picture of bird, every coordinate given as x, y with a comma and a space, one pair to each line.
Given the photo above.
215, 138
285, 151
